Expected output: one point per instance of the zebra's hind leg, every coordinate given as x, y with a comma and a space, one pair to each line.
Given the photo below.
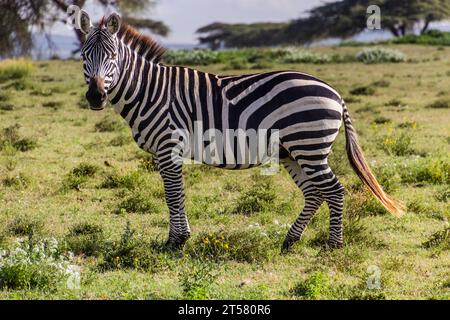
332, 192
313, 200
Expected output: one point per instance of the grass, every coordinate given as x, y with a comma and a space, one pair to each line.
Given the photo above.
81, 170
12, 69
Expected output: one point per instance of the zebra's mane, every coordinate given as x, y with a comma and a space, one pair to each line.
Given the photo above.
144, 45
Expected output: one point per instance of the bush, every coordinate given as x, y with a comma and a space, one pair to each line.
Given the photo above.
34, 264
15, 69
380, 55
362, 91
420, 171
79, 175
397, 144
238, 63
120, 141
10, 136
256, 199
382, 120
431, 37
131, 253
132, 180
137, 203
439, 104
191, 57
251, 245
109, 124
25, 225
85, 238
394, 103
314, 287
440, 239
85, 170
18, 181
303, 56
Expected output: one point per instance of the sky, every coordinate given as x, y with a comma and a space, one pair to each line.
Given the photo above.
184, 17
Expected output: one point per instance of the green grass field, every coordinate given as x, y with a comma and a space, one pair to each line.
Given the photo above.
76, 175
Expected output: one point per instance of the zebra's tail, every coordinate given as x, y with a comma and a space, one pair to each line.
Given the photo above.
362, 169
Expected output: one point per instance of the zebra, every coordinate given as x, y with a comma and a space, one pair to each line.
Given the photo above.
124, 67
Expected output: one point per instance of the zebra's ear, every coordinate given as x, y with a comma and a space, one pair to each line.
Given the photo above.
84, 22
113, 23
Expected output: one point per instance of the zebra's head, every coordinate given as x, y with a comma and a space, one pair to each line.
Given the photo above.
100, 57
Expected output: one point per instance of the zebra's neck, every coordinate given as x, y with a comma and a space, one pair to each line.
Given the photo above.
141, 95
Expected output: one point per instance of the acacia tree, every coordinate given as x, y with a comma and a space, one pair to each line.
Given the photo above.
340, 19
17, 17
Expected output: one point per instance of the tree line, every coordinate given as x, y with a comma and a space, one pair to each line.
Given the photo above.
338, 19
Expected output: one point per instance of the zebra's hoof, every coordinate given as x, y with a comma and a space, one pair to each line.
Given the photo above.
335, 244
176, 244
287, 245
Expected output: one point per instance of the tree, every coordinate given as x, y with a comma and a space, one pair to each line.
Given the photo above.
218, 34
337, 19
17, 17
347, 18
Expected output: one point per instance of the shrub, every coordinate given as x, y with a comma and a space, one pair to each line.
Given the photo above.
10, 136
256, 199
303, 56
85, 238
34, 264
131, 253
23, 225
420, 171
11, 69
132, 180
251, 245
85, 170
120, 141
431, 37
196, 280
238, 63
6, 106
18, 181
380, 55
191, 57
137, 203
440, 239
397, 144
314, 287
53, 104
109, 124
362, 91
439, 104
394, 103
79, 175
382, 120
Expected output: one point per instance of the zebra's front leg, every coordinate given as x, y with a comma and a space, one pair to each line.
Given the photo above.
171, 173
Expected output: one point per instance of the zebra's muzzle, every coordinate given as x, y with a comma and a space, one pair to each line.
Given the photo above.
96, 94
